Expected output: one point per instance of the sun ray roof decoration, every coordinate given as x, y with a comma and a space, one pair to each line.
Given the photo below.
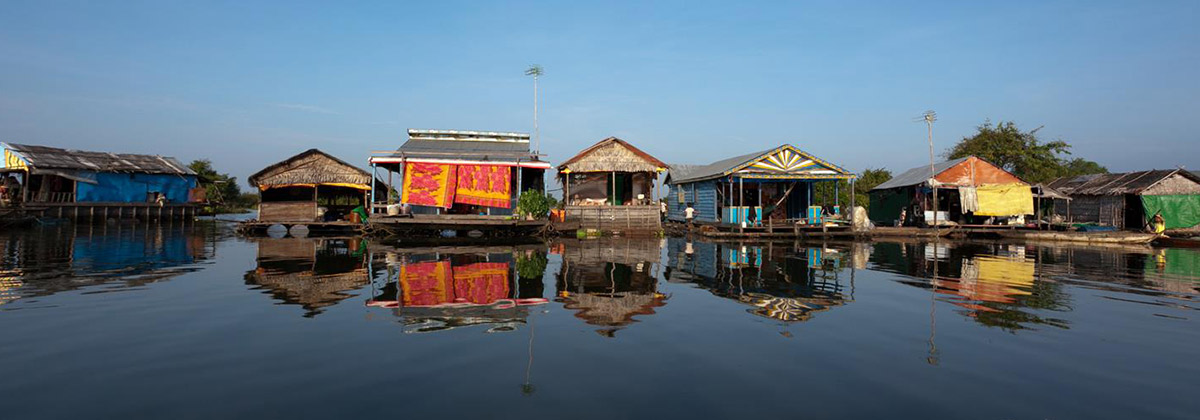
789, 161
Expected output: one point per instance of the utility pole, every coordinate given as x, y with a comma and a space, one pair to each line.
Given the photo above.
929, 118
535, 71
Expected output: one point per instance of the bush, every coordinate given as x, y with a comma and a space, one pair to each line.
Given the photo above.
535, 203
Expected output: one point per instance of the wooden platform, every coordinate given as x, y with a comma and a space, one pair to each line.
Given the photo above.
910, 232
322, 229
102, 212
430, 224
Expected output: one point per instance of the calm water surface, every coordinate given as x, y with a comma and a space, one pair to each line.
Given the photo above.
117, 321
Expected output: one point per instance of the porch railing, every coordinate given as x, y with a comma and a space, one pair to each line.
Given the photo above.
52, 197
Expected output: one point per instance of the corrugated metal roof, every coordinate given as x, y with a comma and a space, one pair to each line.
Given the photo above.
466, 145
1116, 184
681, 173
918, 175
45, 157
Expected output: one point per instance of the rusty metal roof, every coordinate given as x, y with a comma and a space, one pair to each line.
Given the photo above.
918, 175
45, 157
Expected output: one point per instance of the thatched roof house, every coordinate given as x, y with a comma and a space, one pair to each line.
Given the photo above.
1129, 200
610, 172
311, 167
311, 186
612, 155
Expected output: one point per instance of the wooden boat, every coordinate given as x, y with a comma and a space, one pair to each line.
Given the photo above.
1086, 237
1167, 241
911, 232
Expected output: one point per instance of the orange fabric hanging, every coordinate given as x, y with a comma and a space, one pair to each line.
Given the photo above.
484, 185
439, 283
429, 184
426, 283
481, 283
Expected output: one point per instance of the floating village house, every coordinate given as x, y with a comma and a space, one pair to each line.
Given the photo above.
610, 186
1130, 200
312, 186
460, 172
772, 185
85, 185
969, 190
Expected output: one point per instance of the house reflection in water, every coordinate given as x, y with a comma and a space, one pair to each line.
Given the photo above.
609, 281
310, 272
44, 261
995, 284
782, 282
488, 286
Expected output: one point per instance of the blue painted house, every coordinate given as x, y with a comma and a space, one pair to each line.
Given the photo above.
775, 184
61, 176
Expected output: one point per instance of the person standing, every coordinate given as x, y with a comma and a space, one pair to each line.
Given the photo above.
690, 215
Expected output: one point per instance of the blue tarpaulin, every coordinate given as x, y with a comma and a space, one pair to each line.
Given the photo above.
133, 188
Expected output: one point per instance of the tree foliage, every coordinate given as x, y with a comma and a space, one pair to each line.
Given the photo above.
535, 203
1022, 153
223, 193
868, 179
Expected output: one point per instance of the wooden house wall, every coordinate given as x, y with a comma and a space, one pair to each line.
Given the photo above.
1103, 209
287, 211
702, 194
1173, 185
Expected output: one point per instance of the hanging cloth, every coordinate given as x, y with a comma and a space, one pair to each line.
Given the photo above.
429, 184
481, 283
1004, 200
484, 185
968, 199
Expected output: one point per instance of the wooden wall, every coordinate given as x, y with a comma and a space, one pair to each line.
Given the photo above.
616, 218
1103, 209
287, 211
702, 194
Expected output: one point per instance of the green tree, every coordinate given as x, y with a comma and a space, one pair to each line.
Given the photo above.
868, 179
1022, 152
222, 190
1080, 166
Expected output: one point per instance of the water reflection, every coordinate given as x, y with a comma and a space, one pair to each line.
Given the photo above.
58, 258
310, 272
1016, 287
785, 282
994, 284
609, 281
461, 287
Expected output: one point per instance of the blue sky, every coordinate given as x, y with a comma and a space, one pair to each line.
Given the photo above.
246, 84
